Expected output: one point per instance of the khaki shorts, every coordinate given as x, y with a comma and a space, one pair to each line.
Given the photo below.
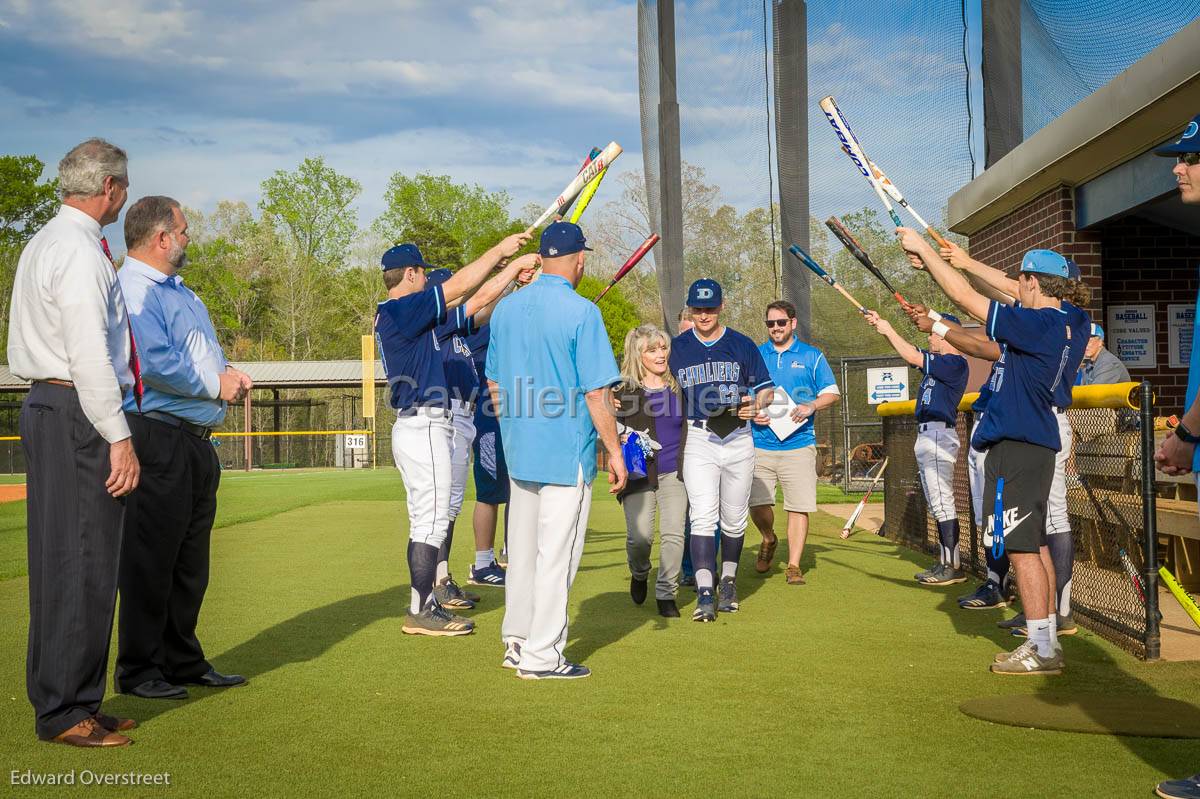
796, 469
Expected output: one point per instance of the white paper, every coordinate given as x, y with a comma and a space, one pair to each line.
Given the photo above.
780, 414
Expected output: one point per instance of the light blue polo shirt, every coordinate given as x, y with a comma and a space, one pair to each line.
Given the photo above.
548, 349
803, 372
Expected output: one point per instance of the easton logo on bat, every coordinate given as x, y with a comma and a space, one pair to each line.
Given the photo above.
837, 128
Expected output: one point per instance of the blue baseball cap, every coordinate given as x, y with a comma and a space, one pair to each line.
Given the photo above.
1097, 330
704, 293
1073, 270
402, 256
949, 317
438, 276
1189, 142
1045, 262
562, 238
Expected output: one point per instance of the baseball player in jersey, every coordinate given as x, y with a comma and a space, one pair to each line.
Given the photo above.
944, 380
422, 436
491, 474
725, 382
1019, 431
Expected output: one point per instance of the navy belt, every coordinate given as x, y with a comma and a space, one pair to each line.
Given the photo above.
183, 424
923, 426
412, 410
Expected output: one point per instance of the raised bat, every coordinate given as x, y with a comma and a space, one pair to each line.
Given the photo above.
851, 244
572, 190
589, 191
629, 264
808, 261
562, 211
848, 527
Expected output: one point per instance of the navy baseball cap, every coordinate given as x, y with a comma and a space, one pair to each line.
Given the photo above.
562, 238
1073, 270
1189, 142
1045, 262
1097, 330
438, 276
402, 256
949, 317
704, 293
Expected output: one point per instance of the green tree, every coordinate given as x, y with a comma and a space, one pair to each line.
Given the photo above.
452, 223
314, 206
619, 314
25, 204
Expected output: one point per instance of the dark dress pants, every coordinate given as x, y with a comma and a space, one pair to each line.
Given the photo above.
164, 558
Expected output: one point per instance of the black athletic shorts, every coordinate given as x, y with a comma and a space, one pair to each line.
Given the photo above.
1028, 471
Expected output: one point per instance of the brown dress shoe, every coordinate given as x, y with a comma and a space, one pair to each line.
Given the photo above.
766, 551
114, 724
89, 733
794, 576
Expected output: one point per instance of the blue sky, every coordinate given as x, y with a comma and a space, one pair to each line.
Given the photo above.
210, 98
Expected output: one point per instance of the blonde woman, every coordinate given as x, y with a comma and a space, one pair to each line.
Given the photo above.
649, 405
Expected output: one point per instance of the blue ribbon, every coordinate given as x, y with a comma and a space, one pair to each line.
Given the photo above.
998, 521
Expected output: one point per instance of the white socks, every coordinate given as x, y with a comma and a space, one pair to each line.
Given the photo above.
484, 558
1040, 636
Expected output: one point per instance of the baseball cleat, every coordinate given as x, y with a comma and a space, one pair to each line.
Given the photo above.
449, 595
986, 597
921, 577
512, 655
727, 600
946, 575
1065, 626
489, 575
1029, 662
567, 671
436, 620
706, 608
1179, 789
1013, 623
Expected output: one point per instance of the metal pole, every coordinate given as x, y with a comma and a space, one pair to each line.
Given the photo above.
1150, 524
845, 428
246, 428
670, 181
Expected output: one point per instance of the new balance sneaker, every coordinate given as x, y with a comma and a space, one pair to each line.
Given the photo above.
567, 671
512, 655
706, 607
449, 595
986, 597
727, 601
1029, 662
1188, 788
1022, 650
946, 575
436, 620
489, 575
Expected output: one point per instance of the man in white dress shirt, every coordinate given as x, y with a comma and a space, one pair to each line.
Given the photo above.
68, 333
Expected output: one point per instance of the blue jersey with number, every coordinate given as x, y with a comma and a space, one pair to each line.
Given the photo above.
1081, 330
1035, 356
477, 341
942, 387
715, 375
985, 393
457, 359
412, 358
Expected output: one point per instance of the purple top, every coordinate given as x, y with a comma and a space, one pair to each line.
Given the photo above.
663, 406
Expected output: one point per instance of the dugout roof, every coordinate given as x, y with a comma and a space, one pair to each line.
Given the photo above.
266, 374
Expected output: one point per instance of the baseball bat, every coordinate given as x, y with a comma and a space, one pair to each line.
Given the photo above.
879, 181
851, 244
1134, 577
848, 527
629, 264
572, 190
562, 211
1184, 598
589, 191
807, 260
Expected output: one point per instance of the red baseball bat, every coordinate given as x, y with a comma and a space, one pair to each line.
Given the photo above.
638, 254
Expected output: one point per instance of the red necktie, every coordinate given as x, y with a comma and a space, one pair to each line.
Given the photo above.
134, 366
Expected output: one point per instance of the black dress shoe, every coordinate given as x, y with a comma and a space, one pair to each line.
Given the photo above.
215, 679
158, 689
667, 609
637, 590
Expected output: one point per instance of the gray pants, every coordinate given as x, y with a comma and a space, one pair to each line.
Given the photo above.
670, 502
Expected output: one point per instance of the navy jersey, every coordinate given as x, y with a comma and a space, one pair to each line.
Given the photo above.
457, 361
412, 361
1035, 354
985, 393
715, 375
1081, 330
942, 387
477, 342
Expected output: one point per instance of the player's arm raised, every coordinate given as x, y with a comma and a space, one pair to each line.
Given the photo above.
910, 354
962, 339
465, 280
480, 304
948, 279
988, 280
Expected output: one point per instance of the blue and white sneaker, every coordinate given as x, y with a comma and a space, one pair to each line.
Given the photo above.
491, 575
512, 655
566, 671
1179, 789
986, 597
706, 607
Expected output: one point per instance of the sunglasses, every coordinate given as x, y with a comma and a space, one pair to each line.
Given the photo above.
1191, 159
777, 322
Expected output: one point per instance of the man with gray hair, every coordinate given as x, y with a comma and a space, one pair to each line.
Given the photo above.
69, 334
168, 525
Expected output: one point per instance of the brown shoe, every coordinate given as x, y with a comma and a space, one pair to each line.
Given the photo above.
766, 551
114, 724
89, 733
794, 577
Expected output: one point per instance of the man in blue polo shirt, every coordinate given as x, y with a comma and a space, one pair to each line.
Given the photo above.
549, 369
801, 370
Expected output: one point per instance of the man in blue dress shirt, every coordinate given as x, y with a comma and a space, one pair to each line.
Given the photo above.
168, 523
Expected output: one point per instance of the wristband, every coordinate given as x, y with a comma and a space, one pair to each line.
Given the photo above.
941, 328
1185, 435
934, 315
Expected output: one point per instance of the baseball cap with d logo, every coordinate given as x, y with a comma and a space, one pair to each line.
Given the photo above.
1189, 142
704, 293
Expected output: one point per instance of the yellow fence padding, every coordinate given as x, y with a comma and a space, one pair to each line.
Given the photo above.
1111, 395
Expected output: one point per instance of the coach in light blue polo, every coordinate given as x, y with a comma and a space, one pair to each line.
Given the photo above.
549, 349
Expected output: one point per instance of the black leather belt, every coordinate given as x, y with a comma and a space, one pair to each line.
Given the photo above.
184, 425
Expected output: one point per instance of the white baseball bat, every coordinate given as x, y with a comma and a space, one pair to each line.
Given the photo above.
597, 165
848, 527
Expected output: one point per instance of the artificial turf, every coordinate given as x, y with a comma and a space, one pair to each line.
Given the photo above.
847, 686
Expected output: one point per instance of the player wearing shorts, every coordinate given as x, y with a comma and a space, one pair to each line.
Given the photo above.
422, 435
944, 380
491, 474
1019, 432
724, 382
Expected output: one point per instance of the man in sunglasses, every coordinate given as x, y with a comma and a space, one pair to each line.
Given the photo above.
1178, 454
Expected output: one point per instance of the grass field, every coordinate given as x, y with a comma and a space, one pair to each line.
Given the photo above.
848, 686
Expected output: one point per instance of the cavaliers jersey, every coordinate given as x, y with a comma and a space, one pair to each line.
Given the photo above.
942, 387
713, 376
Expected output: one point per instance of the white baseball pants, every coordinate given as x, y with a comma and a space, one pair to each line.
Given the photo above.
463, 421
421, 448
975, 462
1058, 520
718, 474
546, 527
937, 450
